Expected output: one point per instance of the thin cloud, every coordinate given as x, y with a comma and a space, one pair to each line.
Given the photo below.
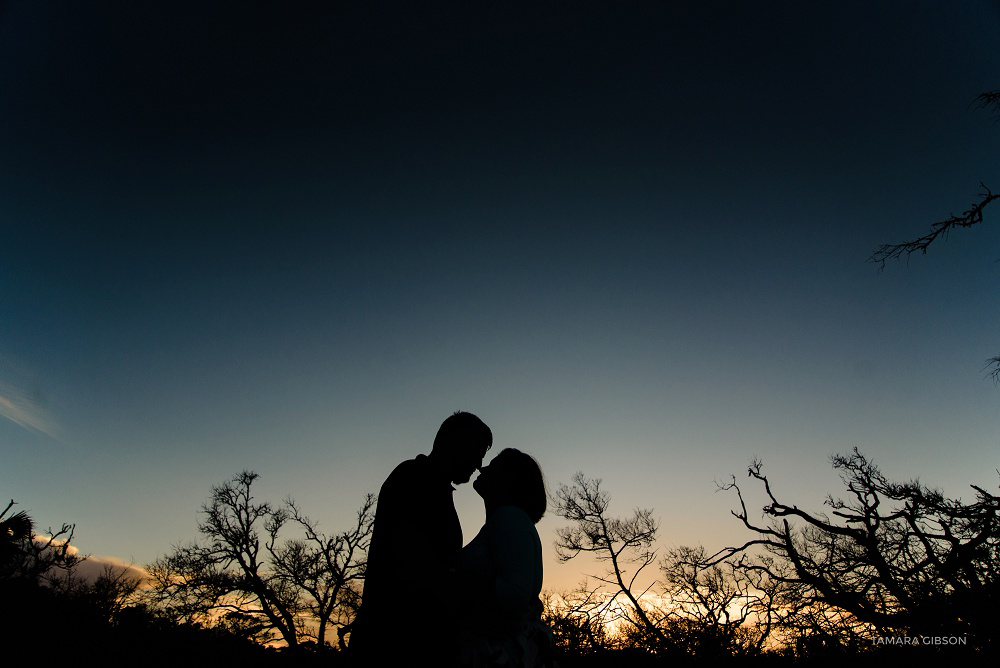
94, 567
18, 407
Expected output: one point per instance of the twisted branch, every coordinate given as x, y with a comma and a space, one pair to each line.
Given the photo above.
970, 217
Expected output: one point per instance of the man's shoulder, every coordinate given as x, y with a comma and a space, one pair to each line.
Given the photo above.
406, 474
416, 466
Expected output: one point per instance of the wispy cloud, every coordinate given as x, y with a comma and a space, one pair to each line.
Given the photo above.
20, 408
92, 567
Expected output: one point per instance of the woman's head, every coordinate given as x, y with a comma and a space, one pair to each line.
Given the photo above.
513, 478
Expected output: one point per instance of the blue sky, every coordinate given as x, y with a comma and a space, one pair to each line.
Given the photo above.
631, 239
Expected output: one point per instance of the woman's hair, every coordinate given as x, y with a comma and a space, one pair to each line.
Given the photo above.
520, 482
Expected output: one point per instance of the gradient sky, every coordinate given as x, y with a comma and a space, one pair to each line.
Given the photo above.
630, 236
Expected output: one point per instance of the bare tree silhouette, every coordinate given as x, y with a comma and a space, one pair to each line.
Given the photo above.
622, 543
328, 570
896, 557
576, 620
245, 578
706, 610
719, 609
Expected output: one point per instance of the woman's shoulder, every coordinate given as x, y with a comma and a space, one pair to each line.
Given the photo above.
511, 514
511, 519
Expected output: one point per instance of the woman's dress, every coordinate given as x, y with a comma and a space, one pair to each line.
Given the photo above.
502, 569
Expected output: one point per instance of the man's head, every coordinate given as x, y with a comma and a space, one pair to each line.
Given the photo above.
460, 445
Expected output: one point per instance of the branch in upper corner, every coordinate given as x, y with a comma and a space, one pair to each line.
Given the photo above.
973, 216
989, 100
993, 364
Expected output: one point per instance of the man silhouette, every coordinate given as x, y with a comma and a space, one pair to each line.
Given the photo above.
407, 608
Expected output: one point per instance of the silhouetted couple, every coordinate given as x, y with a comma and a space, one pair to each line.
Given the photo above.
429, 601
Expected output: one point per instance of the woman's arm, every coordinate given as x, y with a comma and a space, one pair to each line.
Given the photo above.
517, 559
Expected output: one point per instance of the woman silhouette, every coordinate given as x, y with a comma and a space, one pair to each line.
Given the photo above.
502, 570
